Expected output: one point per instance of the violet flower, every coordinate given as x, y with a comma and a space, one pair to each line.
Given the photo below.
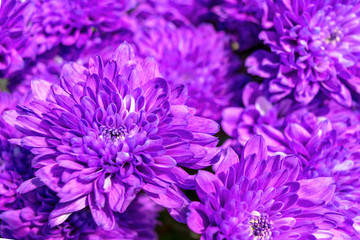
179, 12
261, 197
73, 23
258, 116
317, 48
198, 57
29, 220
15, 161
16, 46
107, 132
324, 135
196, 12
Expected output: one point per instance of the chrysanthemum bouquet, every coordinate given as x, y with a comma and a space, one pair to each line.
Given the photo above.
172, 119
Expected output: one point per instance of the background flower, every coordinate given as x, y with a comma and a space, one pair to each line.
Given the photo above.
73, 23
198, 57
29, 220
16, 45
15, 161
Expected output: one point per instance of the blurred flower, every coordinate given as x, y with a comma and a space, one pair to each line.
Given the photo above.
198, 57
179, 12
29, 220
110, 130
73, 23
16, 46
15, 161
241, 19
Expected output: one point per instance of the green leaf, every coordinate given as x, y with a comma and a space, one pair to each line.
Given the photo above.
3, 84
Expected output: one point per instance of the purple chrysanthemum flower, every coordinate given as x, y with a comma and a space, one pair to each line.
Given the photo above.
48, 68
29, 220
197, 57
178, 12
108, 131
317, 48
258, 116
15, 167
101, 44
73, 23
260, 197
15, 45
323, 134
15, 161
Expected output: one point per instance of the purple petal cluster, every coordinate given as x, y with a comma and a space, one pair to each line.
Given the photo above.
110, 130
15, 44
316, 49
242, 20
261, 197
110, 113
15, 161
324, 135
176, 11
199, 58
73, 23
29, 220
25, 213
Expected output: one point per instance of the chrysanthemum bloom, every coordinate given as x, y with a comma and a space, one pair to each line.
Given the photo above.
15, 46
275, 121
102, 44
109, 131
73, 23
259, 197
324, 135
317, 44
258, 116
29, 220
179, 12
330, 146
45, 67
14, 160
198, 57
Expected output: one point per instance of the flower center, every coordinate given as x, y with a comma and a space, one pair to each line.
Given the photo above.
260, 225
333, 37
114, 134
